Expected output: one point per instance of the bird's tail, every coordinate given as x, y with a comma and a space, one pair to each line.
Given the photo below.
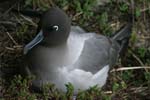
122, 37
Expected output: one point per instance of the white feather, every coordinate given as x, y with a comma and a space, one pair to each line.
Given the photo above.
81, 79
75, 45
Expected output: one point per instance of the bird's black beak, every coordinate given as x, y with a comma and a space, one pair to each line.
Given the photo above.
39, 37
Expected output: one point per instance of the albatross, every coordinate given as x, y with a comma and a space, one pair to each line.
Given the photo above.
61, 53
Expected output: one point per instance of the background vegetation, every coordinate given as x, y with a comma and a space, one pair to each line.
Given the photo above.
128, 80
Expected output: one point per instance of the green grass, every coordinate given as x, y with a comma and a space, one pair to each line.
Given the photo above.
122, 84
19, 89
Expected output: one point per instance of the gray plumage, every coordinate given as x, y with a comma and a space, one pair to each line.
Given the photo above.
60, 55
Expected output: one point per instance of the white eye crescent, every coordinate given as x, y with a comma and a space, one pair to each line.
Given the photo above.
56, 27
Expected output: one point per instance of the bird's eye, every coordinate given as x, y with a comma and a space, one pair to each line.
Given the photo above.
52, 28
55, 27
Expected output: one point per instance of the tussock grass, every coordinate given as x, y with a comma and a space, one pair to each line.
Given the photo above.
132, 82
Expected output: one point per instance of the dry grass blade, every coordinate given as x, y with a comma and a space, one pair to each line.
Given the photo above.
145, 9
130, 68
8, 48
8, 23
77, 15
138, 59
138, 89
7, 11
18, 47
12, 38
133, 8
29, 20
108, 92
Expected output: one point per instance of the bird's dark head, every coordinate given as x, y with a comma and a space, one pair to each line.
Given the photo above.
55, 26
54, 29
